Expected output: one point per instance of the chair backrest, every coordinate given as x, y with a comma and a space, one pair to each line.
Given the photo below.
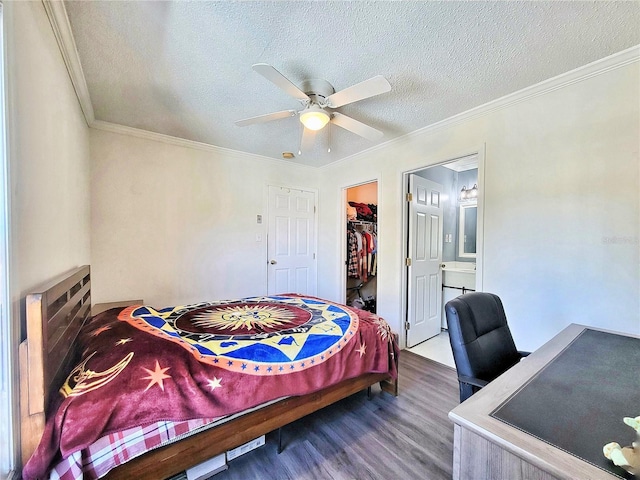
480, 337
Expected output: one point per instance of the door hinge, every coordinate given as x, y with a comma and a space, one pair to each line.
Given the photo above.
407, 326
407, 262
409, 197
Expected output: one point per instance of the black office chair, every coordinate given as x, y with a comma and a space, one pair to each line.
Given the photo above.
481, 341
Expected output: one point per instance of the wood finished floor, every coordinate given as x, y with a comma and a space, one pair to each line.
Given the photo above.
384, 438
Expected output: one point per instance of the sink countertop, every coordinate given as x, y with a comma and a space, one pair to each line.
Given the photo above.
463, 267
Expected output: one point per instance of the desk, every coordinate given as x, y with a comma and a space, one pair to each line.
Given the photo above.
488, 448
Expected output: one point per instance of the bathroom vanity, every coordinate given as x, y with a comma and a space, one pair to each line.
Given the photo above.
457, 278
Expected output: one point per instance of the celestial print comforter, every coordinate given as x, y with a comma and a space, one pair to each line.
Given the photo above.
142, 366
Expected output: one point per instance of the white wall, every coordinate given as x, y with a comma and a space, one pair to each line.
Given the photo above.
562, 206
174, 225
48, 154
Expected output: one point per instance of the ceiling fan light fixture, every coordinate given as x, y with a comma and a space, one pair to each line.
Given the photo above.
314, 117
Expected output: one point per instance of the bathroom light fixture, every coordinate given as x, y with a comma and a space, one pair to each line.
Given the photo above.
314, 117
469, 194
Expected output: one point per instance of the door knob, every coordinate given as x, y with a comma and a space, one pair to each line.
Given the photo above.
273, 262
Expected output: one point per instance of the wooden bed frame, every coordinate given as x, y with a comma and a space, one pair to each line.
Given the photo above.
55, 314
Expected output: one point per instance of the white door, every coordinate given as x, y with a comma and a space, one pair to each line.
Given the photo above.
424, 304
291, 242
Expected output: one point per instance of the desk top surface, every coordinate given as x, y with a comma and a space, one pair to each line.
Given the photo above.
569, 381
577, 402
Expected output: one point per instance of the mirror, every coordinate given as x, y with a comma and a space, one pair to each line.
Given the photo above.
467, 230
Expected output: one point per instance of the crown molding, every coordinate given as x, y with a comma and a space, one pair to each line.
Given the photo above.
599, 67
182, 142
59, 21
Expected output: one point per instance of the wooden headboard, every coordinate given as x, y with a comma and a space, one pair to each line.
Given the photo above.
55, 313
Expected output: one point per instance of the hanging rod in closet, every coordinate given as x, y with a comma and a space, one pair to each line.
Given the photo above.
361, 222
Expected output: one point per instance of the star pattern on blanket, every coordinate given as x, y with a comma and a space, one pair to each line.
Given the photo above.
100, 330
122, 341
156, 376
362, 350
213, 384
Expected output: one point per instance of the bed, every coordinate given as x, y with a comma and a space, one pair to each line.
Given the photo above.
291, 355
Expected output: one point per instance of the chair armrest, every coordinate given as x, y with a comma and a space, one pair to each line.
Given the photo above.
472, 381
524, 354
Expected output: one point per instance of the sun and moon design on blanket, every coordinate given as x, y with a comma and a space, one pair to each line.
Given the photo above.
273, 335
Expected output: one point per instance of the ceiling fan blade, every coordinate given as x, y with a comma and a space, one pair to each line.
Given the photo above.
356, 127
369, 88
266, 118
274, 76
307, 140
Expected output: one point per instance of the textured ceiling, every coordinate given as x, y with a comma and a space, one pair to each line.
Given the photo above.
184, 68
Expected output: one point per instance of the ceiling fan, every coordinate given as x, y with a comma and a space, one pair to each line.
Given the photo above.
318, 99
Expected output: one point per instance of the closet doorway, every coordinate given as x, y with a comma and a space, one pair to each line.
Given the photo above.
362, 246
